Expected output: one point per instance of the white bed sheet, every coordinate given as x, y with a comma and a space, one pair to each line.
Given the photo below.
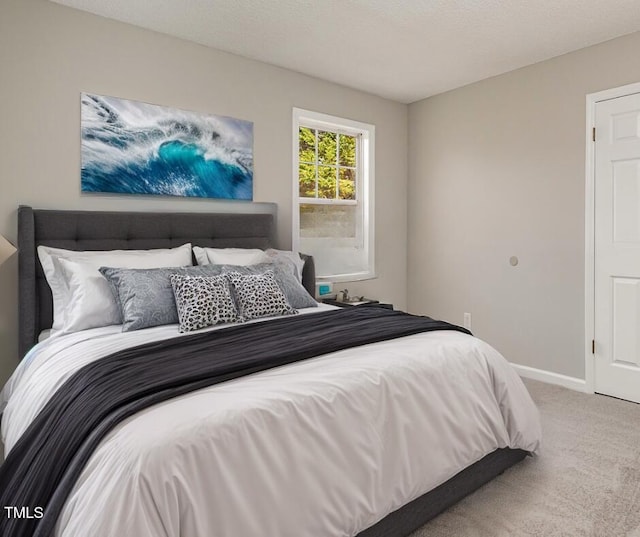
324, 447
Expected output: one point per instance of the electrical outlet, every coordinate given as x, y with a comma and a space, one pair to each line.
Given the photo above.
467, 321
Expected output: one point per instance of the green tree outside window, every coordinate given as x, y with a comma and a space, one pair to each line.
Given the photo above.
327, 168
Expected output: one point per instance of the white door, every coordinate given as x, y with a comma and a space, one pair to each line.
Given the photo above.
617, 248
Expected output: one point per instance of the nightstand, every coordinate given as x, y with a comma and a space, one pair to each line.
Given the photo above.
361, 303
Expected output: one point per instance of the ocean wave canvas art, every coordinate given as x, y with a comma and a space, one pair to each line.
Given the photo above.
129, 147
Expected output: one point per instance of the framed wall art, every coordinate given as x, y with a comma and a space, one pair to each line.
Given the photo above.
130, 147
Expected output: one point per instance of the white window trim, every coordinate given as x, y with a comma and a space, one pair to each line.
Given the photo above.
364, 189
326, 201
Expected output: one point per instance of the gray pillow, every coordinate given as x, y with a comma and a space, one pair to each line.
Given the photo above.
203, 301
285, 273
258, 295
145, 295
288, 254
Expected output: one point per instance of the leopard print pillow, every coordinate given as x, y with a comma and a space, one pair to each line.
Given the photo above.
258, 295
203, 301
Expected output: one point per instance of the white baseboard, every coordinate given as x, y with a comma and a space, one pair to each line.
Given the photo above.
579, 385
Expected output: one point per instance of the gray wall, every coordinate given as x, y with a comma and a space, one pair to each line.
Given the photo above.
497, 169
50, 53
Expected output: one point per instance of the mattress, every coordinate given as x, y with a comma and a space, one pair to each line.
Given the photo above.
326, 446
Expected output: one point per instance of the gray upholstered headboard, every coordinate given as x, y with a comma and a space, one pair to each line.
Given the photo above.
94, 230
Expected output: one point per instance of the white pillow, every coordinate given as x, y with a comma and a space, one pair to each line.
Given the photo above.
50, 260
240, 257
91, 302
45, 334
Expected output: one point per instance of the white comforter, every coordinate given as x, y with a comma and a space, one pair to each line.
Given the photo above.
321, 448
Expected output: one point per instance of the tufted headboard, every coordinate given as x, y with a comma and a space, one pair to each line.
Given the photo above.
95, 230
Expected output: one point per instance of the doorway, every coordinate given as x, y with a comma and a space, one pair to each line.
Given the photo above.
613, 243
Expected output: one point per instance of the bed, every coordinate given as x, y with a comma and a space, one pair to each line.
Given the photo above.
323, 471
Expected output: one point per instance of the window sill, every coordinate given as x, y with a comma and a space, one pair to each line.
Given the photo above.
356, 277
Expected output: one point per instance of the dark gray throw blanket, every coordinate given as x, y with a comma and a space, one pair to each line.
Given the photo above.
41, 469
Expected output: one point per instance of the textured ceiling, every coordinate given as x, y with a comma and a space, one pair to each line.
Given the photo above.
404, 50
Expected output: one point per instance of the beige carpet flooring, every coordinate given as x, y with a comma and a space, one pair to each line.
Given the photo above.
585, 482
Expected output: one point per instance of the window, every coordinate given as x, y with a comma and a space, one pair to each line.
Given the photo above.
333, 194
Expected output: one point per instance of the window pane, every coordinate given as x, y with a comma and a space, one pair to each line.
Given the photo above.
307, 180
347, 150
333, 234
326, 182
327, 147
307, 144
328, 221
347, 187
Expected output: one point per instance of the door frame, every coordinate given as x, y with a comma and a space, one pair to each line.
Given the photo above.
589, 217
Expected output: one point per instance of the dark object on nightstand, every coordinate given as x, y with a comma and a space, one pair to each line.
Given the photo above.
360, 303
